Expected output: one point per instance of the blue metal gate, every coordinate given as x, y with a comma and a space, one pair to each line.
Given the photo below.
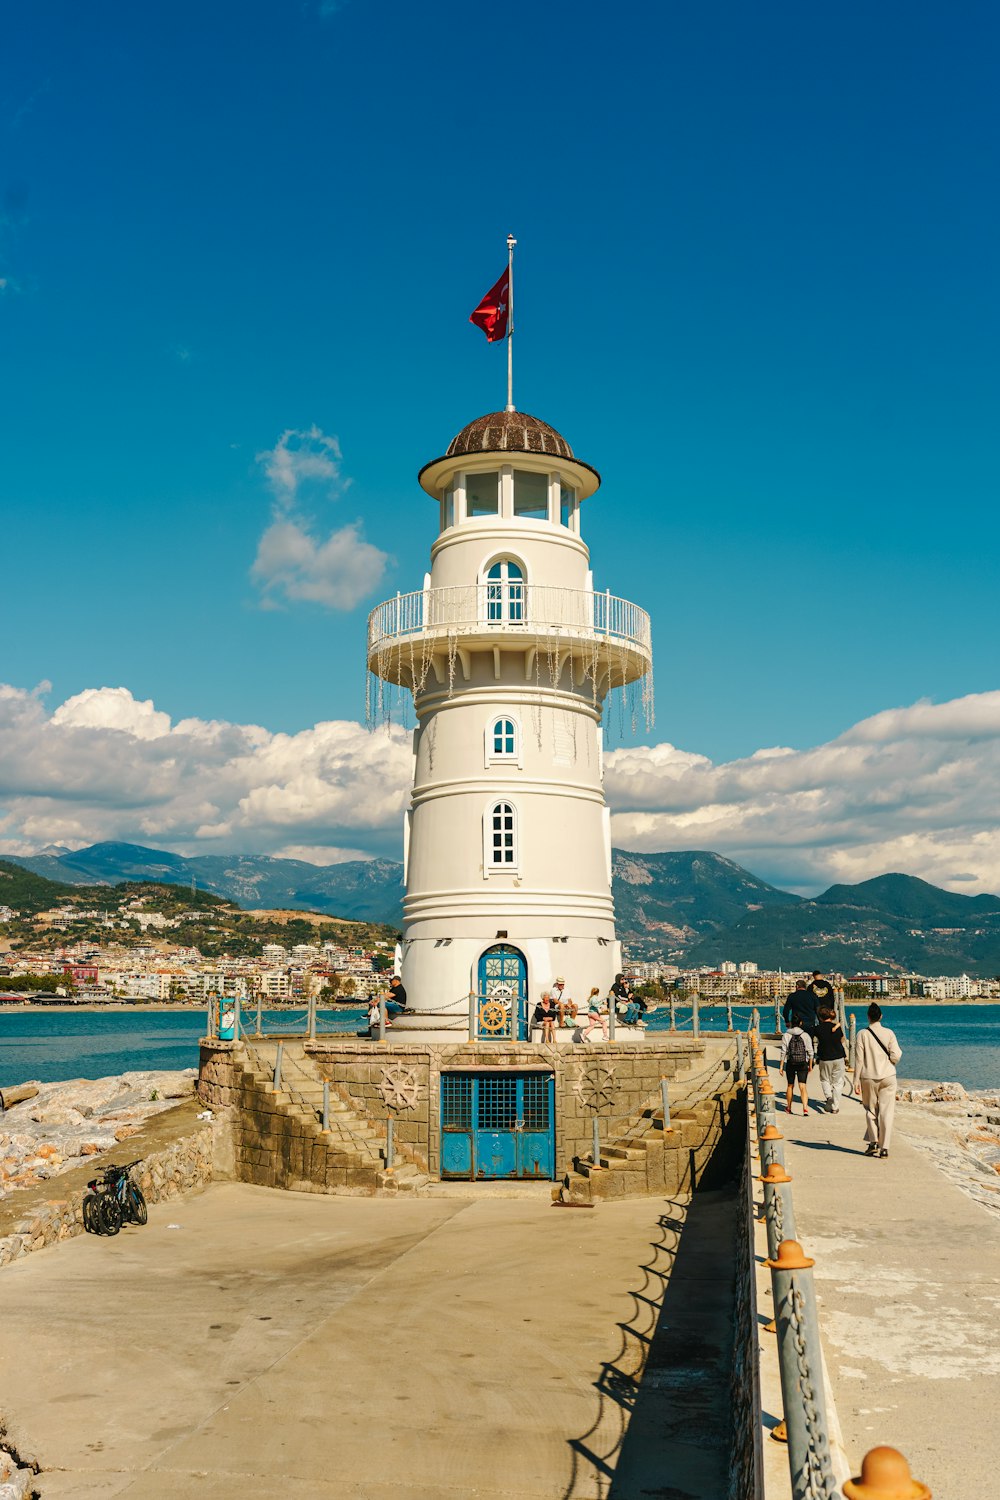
503, 994
497, 1125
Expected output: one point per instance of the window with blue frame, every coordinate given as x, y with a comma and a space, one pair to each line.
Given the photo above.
502, 736
505, 593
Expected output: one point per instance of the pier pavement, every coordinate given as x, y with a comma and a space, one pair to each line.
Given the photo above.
249, 1342
908, 1281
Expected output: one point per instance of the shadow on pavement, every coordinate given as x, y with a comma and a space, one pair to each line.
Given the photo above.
662, 1421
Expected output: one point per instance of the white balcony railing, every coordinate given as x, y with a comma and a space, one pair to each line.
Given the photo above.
510, 609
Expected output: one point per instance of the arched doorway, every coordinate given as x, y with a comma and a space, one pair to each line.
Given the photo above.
503, 993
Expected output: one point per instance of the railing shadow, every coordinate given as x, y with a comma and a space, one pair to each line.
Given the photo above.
661, 1426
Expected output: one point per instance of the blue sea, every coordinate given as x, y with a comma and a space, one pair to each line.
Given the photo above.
960, 1043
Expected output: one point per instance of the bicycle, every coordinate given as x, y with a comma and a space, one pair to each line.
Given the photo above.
126, 1194
101, 1210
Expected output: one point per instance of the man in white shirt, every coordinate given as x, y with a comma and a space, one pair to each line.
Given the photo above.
796, 1060
876, 1053
562, 1002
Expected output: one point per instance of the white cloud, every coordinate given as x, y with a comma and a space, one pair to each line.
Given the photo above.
105, 765
912, 789
338, 572
296, 561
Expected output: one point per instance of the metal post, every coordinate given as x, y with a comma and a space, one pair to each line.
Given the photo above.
729, 1013
277, 1065
381, 1018
778, 1212
211, 1019
312, 1018
755, 1019
597, 1142
852, 1040
739, 1055
665, 1096
473, 1002
695, 1018
673, 1012
326, 1105
259, 1004
236, 1019
612, 1016
771, 1148
390, 1145
800, 1361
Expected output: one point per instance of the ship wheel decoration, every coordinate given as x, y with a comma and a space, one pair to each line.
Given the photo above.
595, 1086
495, 1010
398, 1086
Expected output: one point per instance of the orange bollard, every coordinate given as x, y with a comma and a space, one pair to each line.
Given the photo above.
774, 1174
885, 1475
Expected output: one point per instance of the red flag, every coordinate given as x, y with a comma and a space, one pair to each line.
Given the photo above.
491, 314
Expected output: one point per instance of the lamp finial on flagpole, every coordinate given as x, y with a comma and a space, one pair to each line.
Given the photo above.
511, 242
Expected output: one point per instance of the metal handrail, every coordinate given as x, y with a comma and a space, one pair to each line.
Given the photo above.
466, 609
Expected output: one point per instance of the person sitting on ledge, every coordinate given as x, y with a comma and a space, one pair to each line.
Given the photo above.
563, 1004
545, 1017
396, 1001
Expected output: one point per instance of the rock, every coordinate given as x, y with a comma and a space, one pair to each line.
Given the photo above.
947, 1093
124, 1131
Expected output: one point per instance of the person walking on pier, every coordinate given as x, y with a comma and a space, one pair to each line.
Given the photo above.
876, 1053
831, 1057
796, 1060
800, 1008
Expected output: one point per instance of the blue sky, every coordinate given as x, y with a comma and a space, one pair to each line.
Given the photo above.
756, 288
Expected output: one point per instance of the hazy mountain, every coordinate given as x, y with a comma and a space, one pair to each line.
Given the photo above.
368, 890
673, 899
691, 907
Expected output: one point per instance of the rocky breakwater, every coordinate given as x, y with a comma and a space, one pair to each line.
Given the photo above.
49, 1133
959, 1130
53, 1143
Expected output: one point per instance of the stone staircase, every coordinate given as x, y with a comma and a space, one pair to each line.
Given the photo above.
640, 1158
280, 1137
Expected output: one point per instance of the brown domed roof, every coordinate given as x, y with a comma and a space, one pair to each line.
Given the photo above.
508, 432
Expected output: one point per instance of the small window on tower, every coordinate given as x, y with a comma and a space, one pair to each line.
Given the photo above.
482, 494
502, 740
449, 507
567, 505
531, 495
501, 850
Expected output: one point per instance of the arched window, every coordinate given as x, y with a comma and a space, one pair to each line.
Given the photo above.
503, 740
500, 838
505, 593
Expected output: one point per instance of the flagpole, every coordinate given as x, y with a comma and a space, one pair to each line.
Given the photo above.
511, 242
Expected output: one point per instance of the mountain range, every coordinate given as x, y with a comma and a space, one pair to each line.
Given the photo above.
689, 907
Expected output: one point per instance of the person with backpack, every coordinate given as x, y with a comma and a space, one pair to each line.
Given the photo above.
876, 1053
796, 1060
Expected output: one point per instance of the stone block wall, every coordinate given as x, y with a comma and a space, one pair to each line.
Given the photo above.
182, 1167
624, 1078
276, 1142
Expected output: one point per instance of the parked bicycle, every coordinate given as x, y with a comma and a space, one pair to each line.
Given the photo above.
113, 1200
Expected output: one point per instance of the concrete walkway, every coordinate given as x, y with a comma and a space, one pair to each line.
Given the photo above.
908, 1277
251, 1342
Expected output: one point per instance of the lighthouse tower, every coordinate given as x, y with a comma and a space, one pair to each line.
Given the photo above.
510, 655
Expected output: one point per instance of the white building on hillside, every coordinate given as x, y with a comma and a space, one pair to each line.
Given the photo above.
510, 654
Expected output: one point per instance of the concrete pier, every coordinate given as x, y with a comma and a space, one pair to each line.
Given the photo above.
253, 1343
908, 1280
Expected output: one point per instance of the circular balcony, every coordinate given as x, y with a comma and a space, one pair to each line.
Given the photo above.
598, 635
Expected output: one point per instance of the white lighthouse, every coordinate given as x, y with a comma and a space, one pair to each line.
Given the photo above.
510, 654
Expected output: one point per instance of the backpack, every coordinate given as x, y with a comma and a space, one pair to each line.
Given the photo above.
798, 1053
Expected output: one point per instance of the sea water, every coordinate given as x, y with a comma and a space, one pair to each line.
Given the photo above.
960, 1043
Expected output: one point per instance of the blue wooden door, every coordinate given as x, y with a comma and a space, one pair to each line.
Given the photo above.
503, 994
496, 1125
